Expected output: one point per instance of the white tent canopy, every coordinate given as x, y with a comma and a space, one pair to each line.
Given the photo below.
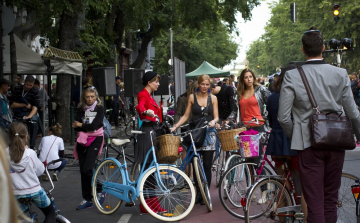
30, 62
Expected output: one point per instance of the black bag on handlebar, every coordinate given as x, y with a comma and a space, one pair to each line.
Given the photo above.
199, 134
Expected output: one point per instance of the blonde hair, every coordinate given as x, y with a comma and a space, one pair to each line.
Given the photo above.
241, 84
203, 77
90, 89
17, 134
122, 85
56, 129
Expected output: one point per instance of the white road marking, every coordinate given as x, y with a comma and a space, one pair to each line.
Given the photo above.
125, 218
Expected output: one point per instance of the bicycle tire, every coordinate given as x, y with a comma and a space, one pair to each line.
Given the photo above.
135, 171
346, 207
107, 168
220, 161
231, 161
274, 187
236, 181
178, 185
202, 184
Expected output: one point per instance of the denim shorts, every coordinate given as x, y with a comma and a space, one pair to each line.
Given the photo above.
41, 200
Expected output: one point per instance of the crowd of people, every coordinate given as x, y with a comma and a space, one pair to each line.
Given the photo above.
282, 107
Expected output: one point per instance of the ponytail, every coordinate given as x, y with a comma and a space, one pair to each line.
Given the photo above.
17, 135
56, 130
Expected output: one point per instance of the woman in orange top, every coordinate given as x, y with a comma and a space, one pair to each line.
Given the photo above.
252, 98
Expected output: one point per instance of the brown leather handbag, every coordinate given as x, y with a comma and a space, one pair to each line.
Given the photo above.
329, 131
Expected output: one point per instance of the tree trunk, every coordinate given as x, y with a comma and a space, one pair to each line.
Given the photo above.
110, 17
119, 28
67, 35
143, 50
13, 61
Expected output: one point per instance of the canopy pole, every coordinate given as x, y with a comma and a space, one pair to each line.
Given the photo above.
44, 106
49, 70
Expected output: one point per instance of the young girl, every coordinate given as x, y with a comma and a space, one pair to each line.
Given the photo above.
25, 168
52, 148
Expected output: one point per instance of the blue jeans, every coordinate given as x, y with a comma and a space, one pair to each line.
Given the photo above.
61, 167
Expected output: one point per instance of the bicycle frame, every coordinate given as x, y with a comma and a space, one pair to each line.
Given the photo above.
286, 177
128, 190
190, 155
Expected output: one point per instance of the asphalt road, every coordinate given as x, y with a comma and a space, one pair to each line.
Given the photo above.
67, 196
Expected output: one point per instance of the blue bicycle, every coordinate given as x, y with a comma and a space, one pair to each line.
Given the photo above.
192, 155
171, 189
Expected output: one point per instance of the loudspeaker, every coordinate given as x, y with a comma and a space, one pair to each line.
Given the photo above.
133, 82
103, 79
163, 89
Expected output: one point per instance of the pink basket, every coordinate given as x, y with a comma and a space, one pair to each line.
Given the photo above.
249, 145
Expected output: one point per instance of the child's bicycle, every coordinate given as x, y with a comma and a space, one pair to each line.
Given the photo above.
28, 201
170, 190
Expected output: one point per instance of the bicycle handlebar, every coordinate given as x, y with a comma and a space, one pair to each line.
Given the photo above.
48, 175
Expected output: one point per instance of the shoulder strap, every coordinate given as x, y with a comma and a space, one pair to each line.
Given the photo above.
308, 89
207, 106
50, 149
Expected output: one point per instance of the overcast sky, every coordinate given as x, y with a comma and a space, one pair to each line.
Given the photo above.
252, 30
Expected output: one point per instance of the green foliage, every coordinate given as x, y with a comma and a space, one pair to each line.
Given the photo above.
194, 47
281, 42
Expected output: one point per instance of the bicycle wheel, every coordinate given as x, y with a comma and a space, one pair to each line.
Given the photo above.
231, 161
129, 127
107, 171
265, 201
233, 187
178, 198
202, 183
346, 205
135, 171
219, 167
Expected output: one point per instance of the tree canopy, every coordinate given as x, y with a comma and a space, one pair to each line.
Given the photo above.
194, 47
281, 42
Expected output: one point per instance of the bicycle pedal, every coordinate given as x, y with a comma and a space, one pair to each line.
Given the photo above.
130, 204
299, 216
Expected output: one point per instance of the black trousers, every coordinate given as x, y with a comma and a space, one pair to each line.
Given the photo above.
207, 158
115, 113
87, 158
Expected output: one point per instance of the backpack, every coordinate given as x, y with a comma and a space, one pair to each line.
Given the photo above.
107, 128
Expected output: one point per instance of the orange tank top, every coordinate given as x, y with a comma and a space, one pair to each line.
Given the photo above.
249, 108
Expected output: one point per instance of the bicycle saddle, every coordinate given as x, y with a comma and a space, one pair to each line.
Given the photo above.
25, 200
120, 142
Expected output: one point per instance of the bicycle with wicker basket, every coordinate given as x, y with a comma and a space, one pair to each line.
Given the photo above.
171, 187
192, 156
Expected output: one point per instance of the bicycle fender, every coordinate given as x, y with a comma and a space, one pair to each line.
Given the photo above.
117, 162
145, 171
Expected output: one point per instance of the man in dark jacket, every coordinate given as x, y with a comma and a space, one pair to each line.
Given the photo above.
25, 102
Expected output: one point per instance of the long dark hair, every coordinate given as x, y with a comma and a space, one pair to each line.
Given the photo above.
17, 135
241, 84
278, 82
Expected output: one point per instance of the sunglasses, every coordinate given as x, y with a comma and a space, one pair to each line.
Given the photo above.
92, 87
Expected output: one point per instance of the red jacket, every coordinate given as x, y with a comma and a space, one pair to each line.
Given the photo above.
145, 102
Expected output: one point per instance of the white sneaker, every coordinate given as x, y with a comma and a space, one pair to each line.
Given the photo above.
44, 177
263, 198
55, 176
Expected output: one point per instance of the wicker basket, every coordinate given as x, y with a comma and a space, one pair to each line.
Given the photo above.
167, 148
228, 143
